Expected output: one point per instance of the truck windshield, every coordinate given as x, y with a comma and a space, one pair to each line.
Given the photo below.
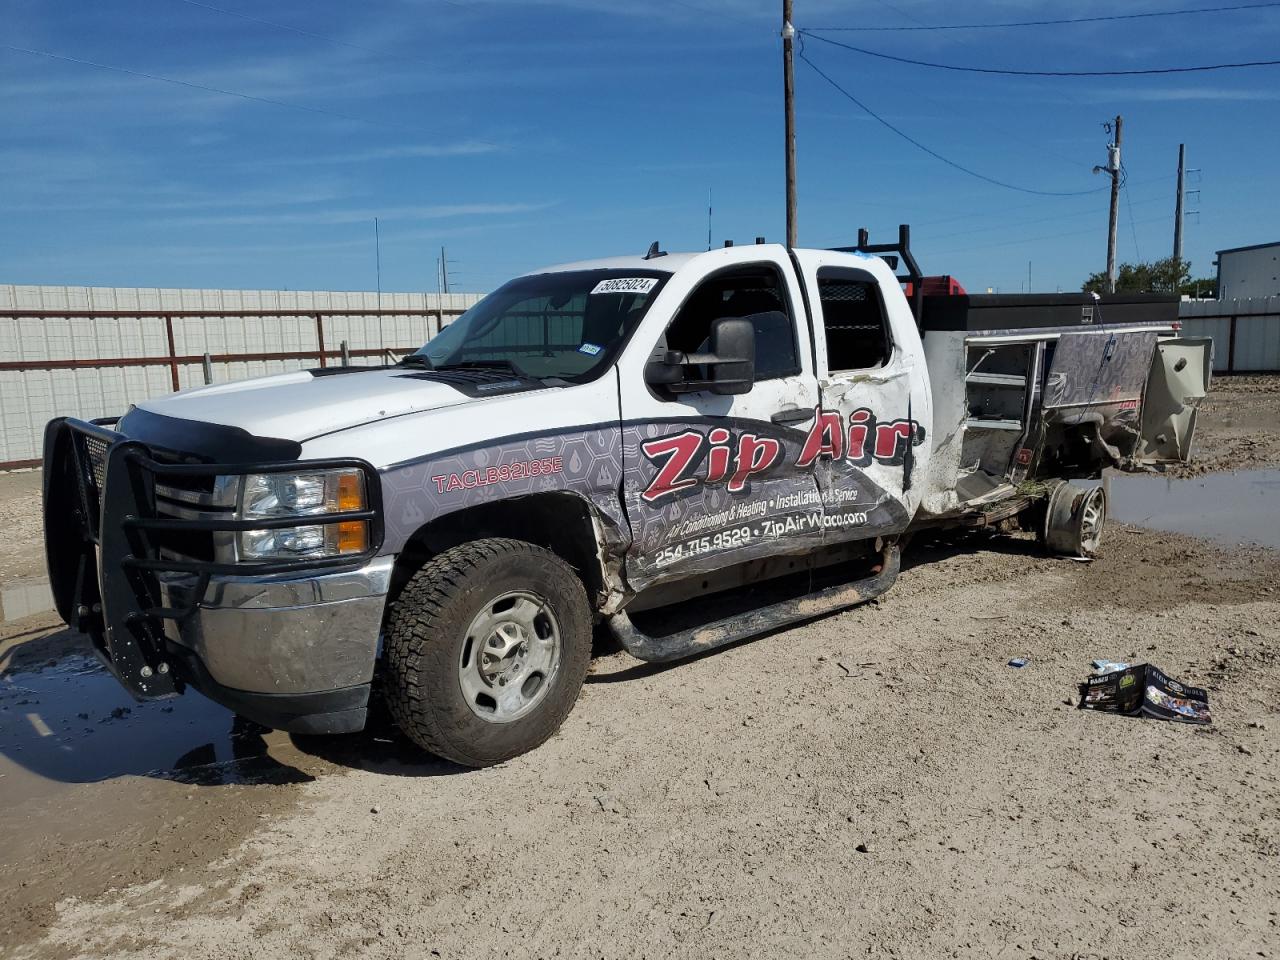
565, 326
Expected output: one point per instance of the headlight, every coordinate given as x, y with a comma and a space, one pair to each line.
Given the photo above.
274, 496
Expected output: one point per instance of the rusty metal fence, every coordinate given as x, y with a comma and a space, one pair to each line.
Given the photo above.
90, 362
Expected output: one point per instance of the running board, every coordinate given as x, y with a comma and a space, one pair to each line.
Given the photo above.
718, 633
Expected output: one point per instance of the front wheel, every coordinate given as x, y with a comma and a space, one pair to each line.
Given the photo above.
486, 650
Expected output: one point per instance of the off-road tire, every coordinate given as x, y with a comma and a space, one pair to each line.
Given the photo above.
426, 628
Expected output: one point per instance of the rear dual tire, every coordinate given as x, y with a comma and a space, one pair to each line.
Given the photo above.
486, 648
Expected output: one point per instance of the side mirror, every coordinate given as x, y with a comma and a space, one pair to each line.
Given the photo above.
731, 362
733, 346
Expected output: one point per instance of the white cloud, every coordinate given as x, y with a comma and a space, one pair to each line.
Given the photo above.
336, 216
1194, 93
422, 151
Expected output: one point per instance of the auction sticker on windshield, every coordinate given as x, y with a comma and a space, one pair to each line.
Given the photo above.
626, 285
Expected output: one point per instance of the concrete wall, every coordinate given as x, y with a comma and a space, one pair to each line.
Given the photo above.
30, 398
1246, 333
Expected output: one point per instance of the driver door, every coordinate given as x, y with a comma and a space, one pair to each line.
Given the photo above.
710, 480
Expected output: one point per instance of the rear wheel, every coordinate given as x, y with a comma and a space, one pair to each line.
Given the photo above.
486, 650
1074, 519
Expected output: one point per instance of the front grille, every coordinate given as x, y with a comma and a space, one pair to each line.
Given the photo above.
185, 544
176, 500
192, 489
91, 460
96, 451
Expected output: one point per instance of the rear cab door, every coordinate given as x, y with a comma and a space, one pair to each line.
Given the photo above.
869, 447
712, 480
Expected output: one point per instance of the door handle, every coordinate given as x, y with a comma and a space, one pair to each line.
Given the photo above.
791, 415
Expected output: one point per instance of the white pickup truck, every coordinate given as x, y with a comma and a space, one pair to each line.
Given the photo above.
688, 449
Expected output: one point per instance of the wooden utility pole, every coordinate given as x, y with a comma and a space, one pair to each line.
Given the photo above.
1177, 209
1113, 167
789, 99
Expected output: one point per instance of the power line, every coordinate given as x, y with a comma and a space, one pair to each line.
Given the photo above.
1040, 73
1128, 199
902, 13
1165, 218
191, 85
925, 236
1053, 23
1056, 218
933, 153
1034, 204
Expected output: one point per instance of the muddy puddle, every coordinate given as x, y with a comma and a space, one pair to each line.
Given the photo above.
65, 720
1231, 508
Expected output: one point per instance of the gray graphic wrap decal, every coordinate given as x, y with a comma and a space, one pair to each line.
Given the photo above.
704, 494
699, 494
587, 463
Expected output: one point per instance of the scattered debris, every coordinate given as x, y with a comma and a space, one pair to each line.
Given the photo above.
1101, 666
1145, 689
1019, 662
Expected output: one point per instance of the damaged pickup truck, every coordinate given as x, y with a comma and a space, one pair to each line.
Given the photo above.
688, 449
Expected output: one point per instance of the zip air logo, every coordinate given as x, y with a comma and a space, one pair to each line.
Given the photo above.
689, 459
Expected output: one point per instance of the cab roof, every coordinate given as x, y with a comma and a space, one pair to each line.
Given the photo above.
670, 262
667, 263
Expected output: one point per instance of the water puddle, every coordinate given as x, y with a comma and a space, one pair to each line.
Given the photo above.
65, 720
1230, 508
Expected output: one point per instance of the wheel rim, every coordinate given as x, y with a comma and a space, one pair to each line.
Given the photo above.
1093, 515
509, 657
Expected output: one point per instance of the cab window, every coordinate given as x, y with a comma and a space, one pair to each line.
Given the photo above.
853, 319
755, 292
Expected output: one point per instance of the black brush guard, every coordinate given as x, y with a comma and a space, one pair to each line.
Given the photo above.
100, 517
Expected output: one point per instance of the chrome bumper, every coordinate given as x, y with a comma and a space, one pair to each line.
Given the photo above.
285, 633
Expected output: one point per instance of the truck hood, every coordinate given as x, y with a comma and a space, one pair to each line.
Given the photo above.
302, 405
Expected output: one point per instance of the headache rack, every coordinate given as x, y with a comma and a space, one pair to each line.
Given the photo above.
895, 255
108, 544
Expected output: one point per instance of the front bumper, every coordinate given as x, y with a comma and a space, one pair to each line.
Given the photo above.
267, 646
290, 644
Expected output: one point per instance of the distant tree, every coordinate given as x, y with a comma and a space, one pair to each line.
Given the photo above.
1167, 276
1200, 288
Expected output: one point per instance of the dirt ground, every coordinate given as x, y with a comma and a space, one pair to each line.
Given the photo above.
876, 783
1238, 426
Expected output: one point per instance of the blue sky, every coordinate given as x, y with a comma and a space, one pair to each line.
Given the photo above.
523, 133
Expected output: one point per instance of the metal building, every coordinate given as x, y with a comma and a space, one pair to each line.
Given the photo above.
1249, 272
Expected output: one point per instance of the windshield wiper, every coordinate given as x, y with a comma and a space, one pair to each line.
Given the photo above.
417, 360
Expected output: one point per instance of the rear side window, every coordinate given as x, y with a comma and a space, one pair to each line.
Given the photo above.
853, 319
755, 292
